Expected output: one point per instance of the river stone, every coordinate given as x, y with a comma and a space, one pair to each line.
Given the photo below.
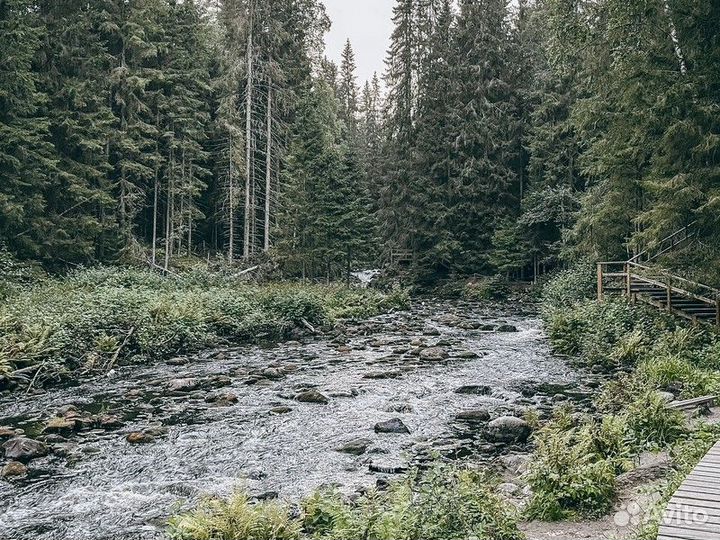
139, 437
7, 433
478, 415
474, 389
109, 421
388, 467
13, 468
223, 399
508, 429
312, 396
433, 354
60, 424
431, 331
402, 408
280, 410
465, 355
355, 447
667, 397
24, 449
391, 426
382, 375
183, 385
506, 328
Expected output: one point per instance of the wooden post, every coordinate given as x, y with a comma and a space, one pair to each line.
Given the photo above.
669, 293
717, 311
600, 282
628, 280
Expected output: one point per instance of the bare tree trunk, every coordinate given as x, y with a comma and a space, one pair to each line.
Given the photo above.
169, 210
268, 168
231, 202
674, 37
248, 134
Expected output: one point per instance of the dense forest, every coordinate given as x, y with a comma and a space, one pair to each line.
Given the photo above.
500, 139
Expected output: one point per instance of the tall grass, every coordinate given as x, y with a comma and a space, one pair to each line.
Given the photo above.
97, 316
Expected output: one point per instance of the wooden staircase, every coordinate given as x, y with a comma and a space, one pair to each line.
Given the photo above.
659, 288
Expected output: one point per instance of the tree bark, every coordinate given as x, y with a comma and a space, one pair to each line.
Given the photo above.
248, 134
268, 169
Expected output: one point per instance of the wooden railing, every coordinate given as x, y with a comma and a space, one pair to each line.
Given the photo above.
667, 244
638, 282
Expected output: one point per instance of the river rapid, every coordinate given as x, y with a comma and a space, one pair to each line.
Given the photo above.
231, 418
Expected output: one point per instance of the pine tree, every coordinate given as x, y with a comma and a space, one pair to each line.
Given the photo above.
26, 155
348, 92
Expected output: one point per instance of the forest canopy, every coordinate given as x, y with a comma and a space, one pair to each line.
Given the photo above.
499, 138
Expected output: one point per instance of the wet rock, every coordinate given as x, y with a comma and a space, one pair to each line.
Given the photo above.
139, 437
474, 389
431, 331
312, 396
7, 433
344, 349
13, 469
508, 429
382, 375
109, 421
465, 355
433, 354
60, 425
388, 467
474, 416
402, 408
486, 327
280, 410
344, 393
667, 397
355, 447
272, 374
391, 426
183, 385
24, 449
223, 399
506, 328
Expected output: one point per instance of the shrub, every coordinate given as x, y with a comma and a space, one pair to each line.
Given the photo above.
235, 519
569, 475
652, 423
570, 286
84, 319
486, 288
441, 503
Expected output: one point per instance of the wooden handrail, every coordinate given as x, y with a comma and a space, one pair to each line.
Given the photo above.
685, 230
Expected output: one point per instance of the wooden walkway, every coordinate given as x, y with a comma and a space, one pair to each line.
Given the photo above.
694, 511
642, 283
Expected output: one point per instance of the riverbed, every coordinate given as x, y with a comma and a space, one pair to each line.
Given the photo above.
231, 419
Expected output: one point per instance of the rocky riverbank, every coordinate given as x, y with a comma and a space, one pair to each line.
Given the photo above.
114, 456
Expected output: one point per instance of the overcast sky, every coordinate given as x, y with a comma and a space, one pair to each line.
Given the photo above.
368, 24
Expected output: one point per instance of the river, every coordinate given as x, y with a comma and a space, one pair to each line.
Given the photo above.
229, 418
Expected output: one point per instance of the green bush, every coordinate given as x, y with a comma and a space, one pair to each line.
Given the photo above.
652, 423
570, 286
235, 519
443, 503
487, 288
85, 319
572, 471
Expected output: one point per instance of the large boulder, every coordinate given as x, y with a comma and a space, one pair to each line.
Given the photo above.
312, 396
394, 425
508, 429
13, 468
24, 449
474, 389
473, 416
356, 447
433, 354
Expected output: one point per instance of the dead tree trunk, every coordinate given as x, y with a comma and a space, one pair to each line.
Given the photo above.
268, 169
248, 135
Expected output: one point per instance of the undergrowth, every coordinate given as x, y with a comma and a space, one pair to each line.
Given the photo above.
443, 503
654, 359
96, 317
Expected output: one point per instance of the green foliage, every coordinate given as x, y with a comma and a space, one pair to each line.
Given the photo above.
235, 519
489, 288
82, 320
570, 286
572, 471
651, 423
441, 503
